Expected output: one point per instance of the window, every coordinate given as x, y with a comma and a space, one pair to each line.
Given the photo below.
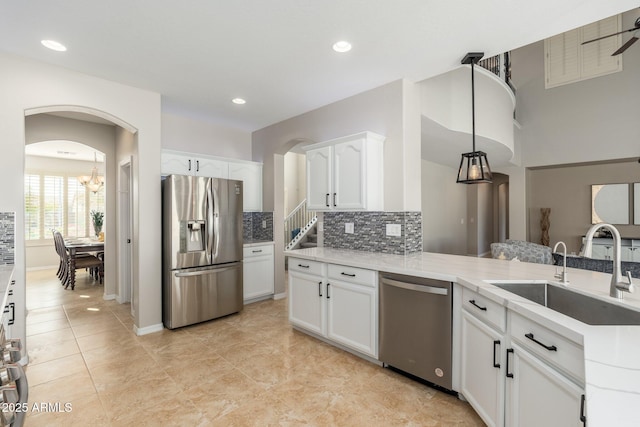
57, 200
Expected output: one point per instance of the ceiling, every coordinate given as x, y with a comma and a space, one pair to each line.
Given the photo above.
63, 149
277, 54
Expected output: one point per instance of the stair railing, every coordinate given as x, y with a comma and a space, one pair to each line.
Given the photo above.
297, 219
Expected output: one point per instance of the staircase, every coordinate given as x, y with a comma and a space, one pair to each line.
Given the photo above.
300, 228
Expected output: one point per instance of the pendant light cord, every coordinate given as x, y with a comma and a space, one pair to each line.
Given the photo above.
473, 109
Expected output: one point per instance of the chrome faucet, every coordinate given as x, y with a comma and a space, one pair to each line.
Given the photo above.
617, 285
562, 276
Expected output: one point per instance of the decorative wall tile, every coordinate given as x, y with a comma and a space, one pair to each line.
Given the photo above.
7, 237
370, 231
252, 226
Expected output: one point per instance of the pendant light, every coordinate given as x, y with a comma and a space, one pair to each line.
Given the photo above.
474, 166
93, 182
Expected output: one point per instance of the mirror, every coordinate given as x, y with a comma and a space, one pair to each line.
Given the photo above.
636, 203
610, 203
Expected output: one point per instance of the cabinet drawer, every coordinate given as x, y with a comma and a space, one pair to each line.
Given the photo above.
359, 276
306, 266
252, 251
483, 308
548, 345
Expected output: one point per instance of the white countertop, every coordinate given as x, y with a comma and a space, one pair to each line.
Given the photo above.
612, 353
6, 274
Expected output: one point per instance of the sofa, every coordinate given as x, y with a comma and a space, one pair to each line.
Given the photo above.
522, 250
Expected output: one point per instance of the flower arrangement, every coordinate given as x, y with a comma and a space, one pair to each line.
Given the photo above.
97, 218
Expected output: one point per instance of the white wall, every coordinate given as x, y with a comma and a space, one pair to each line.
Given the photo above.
294, 180
196, 136
30, 87
392, 110
444, 210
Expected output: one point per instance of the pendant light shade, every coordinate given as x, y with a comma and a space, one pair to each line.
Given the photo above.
93, 182
474, 166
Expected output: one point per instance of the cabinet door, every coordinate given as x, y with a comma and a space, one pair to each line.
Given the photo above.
176, 164
539, 395
482, 376
251, 176
307, 302
319, 179
349, 177
212, 168
258, 277
352, 317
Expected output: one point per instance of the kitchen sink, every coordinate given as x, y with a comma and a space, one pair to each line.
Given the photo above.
586, 309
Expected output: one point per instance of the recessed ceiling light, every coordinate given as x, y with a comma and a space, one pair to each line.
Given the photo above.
342, 46
54, 45
238, 101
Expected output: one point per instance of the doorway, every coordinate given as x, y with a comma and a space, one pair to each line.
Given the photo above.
125, 227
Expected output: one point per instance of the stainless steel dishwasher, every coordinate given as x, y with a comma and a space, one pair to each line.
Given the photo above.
415, 326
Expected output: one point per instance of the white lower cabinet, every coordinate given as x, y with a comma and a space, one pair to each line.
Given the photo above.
345, 310
482, 369
516, 372
258, 272
539, 395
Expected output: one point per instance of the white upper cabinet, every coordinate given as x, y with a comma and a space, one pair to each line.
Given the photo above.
567, 60
250, 173
251, 176
346, 173
176, 163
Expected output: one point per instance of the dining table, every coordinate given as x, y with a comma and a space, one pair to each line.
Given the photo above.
78, 246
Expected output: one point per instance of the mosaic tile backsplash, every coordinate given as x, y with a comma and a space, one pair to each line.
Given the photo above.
7, 237
252, 226
370, 231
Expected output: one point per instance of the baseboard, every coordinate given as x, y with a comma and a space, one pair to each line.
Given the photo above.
148, 329
109, 297
282, 295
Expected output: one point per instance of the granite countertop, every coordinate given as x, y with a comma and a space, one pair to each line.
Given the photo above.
256, 242
612, 361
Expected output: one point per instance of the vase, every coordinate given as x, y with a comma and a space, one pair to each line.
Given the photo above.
97, 229
545, 224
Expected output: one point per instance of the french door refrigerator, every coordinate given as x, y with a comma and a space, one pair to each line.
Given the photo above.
202, 249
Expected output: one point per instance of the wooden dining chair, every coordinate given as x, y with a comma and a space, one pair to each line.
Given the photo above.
86, 261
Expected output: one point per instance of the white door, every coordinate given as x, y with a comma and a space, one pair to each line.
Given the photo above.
257, 276
352, 316
176, 164
211, 168
539, 395
125, 229
319, 179
482, 376
349, 183
251, 176
306, 302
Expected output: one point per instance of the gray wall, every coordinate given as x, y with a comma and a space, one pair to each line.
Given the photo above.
567, 191
444, 210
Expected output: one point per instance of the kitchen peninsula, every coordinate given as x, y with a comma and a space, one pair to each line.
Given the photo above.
602, 361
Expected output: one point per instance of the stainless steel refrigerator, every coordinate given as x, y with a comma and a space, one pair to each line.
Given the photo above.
202, 249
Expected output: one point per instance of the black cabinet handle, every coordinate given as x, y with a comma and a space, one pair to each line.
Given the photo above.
11, 307
326, 200
319, 289
256, 252
303, 266
197, 165
495, 343
334, 199
348, 274
582, 416
509, 374
189, 164
13, 282
328, 284
473, 302
548, 347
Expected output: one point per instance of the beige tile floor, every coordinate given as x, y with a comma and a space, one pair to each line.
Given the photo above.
249, 369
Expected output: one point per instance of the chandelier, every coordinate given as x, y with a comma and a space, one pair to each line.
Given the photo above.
93, 182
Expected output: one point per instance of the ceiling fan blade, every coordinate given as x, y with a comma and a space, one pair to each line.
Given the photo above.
625, 46
611, 35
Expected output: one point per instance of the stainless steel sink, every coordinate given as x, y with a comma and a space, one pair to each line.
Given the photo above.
589, 310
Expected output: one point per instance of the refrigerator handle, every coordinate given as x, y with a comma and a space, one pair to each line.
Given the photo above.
209, 213
216, 222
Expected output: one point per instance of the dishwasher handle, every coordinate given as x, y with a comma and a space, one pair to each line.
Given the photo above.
414, 287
